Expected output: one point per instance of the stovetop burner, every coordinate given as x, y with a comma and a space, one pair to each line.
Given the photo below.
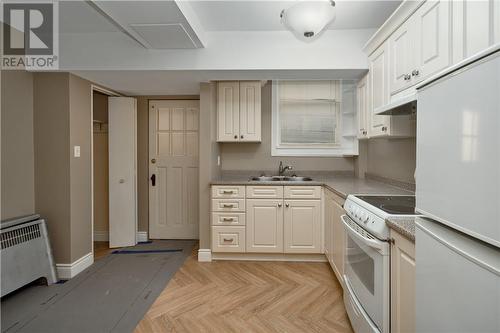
395, 205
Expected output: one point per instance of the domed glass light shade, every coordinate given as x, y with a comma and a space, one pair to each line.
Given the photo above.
307, 19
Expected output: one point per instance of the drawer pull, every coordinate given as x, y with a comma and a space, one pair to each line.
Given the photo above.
227, 192
227, 219
228, 205
226, 240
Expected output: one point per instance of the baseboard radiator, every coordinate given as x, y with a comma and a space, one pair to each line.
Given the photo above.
25, 253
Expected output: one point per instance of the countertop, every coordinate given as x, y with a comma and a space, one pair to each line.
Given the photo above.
342, 184
404, 225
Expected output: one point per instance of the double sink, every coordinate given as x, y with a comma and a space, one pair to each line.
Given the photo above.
280, 179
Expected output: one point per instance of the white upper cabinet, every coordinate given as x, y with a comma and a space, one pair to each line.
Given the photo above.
379, 89
432, 39
476, 26
250, 111
239, 111
363, 111
228, 111
401, 48
420, 47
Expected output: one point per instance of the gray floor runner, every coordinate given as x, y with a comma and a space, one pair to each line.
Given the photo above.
112, 295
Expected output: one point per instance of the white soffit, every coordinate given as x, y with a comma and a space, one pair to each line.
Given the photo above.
165, 36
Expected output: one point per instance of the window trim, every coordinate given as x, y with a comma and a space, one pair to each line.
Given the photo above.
325, 150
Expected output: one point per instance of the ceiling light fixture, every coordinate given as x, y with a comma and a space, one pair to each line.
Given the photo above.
308, 18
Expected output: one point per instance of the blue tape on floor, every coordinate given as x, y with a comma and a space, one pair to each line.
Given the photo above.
145, 251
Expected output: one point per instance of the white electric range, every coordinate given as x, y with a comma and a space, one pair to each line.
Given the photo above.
367, 258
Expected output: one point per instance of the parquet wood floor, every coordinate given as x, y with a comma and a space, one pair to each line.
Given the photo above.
231, 296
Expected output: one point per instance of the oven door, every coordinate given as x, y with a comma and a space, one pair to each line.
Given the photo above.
367, 272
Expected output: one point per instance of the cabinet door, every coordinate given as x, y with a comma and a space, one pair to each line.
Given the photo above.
302, 226
402, 284
228, 111
432, 38
264, 229
379, 95
338, 241
362, 101
250, 111
474, 28
402, 45
329, 227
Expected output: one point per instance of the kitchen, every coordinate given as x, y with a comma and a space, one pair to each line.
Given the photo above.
378, 184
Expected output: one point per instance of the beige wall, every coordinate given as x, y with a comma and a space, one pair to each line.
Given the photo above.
81, 167
62, 120
209, 150
18, 183
392, 158
257, 156
52, 159
143, 155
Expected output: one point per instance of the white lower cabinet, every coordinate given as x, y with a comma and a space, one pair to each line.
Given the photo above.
334, 234
267, 219
228, 239
264, 225
403, 271
302, 226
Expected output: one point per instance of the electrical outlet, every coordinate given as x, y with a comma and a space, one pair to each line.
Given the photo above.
76, 151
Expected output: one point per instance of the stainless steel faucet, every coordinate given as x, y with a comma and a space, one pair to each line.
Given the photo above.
282, 169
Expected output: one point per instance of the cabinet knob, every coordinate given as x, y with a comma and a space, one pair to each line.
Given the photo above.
392, 241
407, 77
384, 128
415, 72
226, 240
236, 137
241, 136
287, 205
279, 205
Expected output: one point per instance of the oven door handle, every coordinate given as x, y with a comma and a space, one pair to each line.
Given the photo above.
376, 244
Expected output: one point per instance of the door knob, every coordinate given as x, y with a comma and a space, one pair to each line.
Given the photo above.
153, 160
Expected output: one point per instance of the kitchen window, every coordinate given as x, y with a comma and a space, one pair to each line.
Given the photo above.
314, 118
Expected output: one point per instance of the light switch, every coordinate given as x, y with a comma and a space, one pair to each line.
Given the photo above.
77, 151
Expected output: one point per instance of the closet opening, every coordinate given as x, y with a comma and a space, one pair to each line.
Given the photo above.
101, 174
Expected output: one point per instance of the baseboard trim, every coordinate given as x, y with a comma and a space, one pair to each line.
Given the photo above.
269, 257
142, 236
204, 255
101, 236
69, 271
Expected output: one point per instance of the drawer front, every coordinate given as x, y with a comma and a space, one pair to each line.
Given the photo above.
228, 205
302, 192
228, 239
228, 191
265, 192
228, 218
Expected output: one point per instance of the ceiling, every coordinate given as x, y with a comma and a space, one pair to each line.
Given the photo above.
261, 15
155, 31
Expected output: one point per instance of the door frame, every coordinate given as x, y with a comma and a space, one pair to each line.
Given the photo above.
109, 93
151, 99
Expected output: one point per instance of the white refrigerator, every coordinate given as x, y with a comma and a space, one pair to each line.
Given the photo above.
458, 190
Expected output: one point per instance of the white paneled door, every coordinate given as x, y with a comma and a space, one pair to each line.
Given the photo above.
122, 171
173, 169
